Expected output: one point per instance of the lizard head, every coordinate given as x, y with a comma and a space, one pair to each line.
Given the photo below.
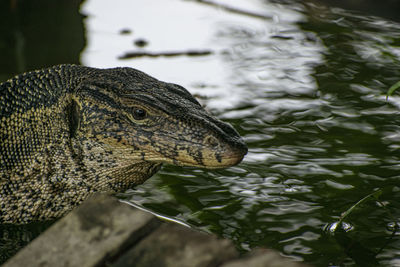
143, 119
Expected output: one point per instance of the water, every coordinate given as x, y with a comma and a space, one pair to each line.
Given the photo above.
305, 86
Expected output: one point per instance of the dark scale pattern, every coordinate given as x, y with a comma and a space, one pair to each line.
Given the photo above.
69, 131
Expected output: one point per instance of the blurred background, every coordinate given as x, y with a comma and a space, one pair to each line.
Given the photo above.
304, 82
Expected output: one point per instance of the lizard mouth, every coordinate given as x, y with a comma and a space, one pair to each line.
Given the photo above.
212, 158
209, 158
224, 161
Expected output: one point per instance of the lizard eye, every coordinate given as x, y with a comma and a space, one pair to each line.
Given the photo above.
139, 114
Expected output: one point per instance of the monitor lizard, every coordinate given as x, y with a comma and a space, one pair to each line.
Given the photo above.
68, 131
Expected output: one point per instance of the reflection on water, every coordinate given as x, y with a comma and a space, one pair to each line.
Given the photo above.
305, 85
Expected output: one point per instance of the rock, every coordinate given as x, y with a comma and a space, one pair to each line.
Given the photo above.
105, 232
263, 258
173, 245
93, 233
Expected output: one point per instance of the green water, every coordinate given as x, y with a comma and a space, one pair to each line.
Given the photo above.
305, 86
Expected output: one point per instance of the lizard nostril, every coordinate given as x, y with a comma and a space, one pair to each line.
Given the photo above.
211, 141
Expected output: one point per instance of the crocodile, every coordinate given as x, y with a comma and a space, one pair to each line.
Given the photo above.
68, 131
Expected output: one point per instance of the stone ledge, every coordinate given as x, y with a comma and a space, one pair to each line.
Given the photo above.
105, 232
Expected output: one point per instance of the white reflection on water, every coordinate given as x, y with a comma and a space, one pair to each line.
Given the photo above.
237, 42
332, 227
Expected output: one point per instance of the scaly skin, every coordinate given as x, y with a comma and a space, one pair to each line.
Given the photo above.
69, 131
